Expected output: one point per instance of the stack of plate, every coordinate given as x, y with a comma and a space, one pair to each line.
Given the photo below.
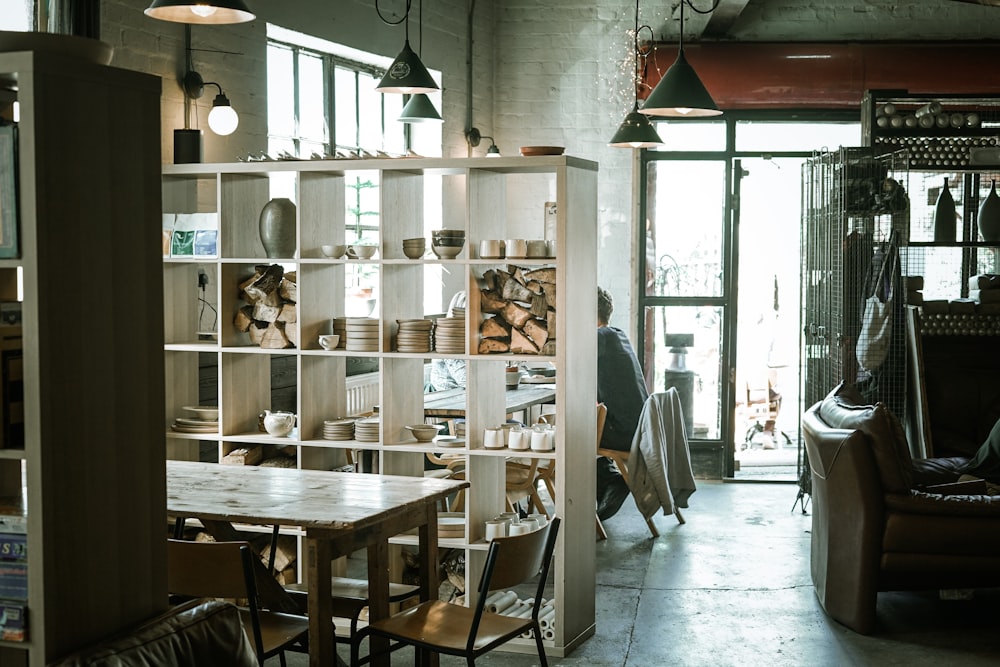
414, 336
367, 429
451, 525
338, 429
362, 334
449, 335
340, 328
185, 425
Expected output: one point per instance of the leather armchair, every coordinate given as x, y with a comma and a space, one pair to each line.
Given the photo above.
885, 522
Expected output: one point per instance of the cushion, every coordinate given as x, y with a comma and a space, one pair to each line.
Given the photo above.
843, 408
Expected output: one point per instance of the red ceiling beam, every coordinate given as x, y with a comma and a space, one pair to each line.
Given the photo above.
765, 75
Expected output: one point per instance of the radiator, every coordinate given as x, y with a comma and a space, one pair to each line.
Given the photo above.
362, 393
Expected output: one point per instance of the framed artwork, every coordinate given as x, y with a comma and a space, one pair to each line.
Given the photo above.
8, 191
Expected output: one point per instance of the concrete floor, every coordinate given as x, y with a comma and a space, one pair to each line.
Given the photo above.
732, 587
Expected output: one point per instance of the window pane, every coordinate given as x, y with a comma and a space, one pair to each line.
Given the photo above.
17, 15
685, 211
696, 371
312, 107
395, 132
346, 98
370, 112
773, 137
280, 91
689, 135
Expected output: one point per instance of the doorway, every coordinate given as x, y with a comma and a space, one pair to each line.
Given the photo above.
719, 282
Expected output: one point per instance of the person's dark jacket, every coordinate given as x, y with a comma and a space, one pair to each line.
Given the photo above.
620, 386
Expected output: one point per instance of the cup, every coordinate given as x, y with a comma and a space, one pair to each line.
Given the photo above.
530, 523
540, 518
329, 341
495, 528
493, 438
519, 528
519, 439
516, 248
538, 248
490, 249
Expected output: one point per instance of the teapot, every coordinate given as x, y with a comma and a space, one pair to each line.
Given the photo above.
279, 423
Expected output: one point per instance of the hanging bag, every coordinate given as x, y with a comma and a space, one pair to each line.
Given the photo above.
876, 318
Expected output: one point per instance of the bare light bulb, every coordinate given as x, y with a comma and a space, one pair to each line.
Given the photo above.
223, 119
203, 10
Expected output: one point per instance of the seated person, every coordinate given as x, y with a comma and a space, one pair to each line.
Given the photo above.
449, 373
622, 388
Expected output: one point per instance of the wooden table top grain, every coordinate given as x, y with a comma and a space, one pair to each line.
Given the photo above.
451, 402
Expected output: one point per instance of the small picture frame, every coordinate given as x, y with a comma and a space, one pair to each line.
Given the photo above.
8, 192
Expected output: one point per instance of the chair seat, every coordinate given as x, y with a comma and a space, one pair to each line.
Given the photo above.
447, 626
277, 630
350, 596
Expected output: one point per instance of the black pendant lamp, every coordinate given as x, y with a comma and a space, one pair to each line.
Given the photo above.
420, 109
636, 131
680, 93
406, 74
205, 12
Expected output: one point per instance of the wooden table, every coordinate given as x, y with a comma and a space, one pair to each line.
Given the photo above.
340, 513
451, 402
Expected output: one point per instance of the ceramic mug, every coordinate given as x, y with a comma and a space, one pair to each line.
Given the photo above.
516, 248
538, 248
540, 518
493, 438
490, 249
495, 528
329, 341
519, 528
519, 438
530, 523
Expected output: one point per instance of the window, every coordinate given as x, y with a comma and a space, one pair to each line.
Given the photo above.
17, 15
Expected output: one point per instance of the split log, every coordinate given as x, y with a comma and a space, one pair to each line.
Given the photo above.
539, 308
288, 289
274, 338
494, 327
243, 319
549, 349
521, 344
263, 312
536, 331
515, 291
292, 333
256, 332
515, 315
243, 456
490, 279
493, 346
289, 313
550, 320
550, 295
545, 274
491, 302
266, 285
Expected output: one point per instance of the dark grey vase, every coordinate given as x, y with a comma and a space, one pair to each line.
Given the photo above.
989, 216
945, 223
277, 228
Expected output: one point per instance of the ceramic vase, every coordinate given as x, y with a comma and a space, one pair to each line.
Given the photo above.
944, 216
277, 228
989, 215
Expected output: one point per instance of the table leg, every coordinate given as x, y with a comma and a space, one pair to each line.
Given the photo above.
428, 535
378, 597
321, 641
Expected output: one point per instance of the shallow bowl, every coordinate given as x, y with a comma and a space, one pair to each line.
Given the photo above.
445, 251
425, 432
208, 412
364, 251
334, 251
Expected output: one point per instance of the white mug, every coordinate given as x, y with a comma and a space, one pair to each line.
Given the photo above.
519, 438
530, 523
540, 518
519, 528
490, 249
495, 528
493, 438
516, 248
539, 440
538, 248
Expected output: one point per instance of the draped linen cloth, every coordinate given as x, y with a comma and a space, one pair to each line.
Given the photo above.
659, 461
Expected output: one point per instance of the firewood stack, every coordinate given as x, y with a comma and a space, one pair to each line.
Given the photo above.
271, 318
520, 311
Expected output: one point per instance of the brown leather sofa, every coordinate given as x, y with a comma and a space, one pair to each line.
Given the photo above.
885, 522
199, 633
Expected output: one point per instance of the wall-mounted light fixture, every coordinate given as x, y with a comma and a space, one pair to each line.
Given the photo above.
223, 119
205, 12
473, 136
406, 74
636, 131
680, 93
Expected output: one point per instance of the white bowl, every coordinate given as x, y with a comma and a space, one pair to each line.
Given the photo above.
364, 251
334, 251
446, 251
329, 341
208, 412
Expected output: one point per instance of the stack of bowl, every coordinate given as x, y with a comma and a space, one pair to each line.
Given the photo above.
414, 248
447, 243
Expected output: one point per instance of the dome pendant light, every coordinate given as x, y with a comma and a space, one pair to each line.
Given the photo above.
636, 131
680, 93
205, 12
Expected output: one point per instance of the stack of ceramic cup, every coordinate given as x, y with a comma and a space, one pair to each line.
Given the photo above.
414, 248
367, 429
447, 243
338, 429
362, 334
449, 335
414, 335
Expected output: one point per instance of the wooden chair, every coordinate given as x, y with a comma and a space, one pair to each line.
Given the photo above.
226, 570
522, 481
443, 627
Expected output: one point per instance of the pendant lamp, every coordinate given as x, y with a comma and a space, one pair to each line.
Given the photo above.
636, 131
205, 12
420, 109
406, 74
680, 93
